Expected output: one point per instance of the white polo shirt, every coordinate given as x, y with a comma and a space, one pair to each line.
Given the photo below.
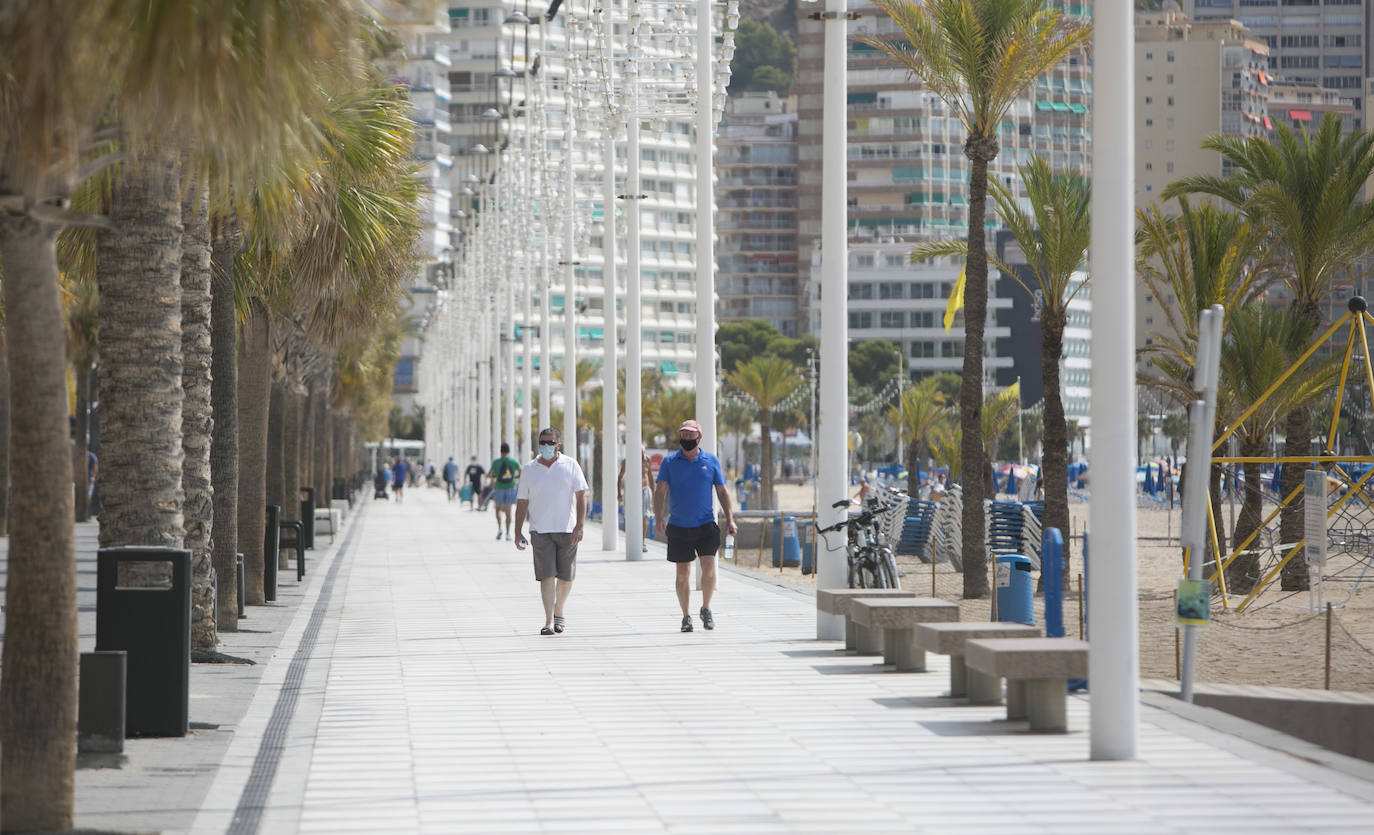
551, 492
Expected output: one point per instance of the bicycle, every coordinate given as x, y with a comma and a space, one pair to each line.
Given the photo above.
872, 563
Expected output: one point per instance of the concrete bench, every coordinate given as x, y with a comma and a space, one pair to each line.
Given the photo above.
340, 505
856, 639
898, 618
1037, 671
949, 638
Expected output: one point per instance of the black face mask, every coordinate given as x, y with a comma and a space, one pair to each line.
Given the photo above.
688, 444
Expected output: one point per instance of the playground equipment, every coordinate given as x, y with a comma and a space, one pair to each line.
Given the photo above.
1349, 528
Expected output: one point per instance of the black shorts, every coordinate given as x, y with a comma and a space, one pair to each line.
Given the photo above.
686, 544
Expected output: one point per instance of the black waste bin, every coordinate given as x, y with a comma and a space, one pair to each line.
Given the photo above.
308, 516
152, 625
340, 489
271, 552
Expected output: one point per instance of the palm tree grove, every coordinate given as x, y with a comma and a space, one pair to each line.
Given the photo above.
256, 264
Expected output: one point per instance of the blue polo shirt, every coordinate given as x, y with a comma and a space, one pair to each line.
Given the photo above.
691, 484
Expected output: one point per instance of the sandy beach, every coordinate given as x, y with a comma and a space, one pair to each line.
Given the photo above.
1279, 640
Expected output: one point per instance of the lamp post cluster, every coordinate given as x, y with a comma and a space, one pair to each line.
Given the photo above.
532, 204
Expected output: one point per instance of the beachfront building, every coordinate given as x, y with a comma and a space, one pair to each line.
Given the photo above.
756, 226
1321, 42
1193, 79
490, 60
422, 69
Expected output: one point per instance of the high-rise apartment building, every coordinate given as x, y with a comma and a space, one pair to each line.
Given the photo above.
756, 227
908, 176
422, 68
1193, 79
1323, 42
494, 92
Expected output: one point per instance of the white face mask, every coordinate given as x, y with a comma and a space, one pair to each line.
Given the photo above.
548, 451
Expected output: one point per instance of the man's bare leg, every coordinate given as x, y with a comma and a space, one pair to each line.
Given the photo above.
564, 588
546, 593
684, 585
708, 579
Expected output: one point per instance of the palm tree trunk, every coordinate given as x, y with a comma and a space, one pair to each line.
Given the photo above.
979, 150
307, 460
38, 688
255, 374
1243, 573
224, 440
291, 449
197, 416
81, 373
1298, 440
141, 396
1054, 464
275, 482
913, 460
319, 434
769, 501
4, 432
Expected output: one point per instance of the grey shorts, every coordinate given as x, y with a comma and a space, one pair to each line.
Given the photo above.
555, 555
503, 496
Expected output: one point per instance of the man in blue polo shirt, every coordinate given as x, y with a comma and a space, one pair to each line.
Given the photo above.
685, 481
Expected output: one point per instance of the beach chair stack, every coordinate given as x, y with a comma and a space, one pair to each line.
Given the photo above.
920, 516
947, 528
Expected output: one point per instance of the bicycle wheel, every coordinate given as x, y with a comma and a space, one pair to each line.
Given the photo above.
887, 570
854, 578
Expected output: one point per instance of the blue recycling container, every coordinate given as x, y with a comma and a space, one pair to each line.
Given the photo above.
786, 546
1015, 589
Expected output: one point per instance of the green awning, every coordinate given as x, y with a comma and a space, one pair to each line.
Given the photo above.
1059, 107
668, 367
1078, 108
863, 98
1042, 106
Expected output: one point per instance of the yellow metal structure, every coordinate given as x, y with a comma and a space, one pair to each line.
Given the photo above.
1356, 322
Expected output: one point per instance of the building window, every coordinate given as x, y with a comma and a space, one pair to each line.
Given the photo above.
860, 321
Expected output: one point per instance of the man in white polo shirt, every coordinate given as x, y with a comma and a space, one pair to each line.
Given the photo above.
553, 494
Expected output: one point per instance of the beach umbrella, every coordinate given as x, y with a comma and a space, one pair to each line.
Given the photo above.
1150, 479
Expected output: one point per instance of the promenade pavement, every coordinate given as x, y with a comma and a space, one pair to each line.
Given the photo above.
404, 688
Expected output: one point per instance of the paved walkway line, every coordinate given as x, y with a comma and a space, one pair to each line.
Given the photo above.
239, 793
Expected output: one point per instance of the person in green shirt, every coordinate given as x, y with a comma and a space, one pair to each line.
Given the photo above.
503, 473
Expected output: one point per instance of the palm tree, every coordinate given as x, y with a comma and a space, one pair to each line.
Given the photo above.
736, 419
82, 347
670, 409
924, 407
768, 380
1053, 238
226, 244
1260, 344
978, 56
1307, 193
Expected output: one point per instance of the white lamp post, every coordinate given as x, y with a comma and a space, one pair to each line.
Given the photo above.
1113, 662
832, 475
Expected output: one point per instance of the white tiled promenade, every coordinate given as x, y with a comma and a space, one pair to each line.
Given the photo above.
430, 703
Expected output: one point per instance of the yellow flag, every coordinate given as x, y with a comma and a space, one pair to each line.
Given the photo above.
956, 300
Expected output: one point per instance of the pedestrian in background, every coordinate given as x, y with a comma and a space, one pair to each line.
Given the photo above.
398, 476
474, 474
646, 480
553, 495
503, 473
451, 477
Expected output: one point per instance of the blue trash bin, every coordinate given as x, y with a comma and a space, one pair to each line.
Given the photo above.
786, 548
1015, 589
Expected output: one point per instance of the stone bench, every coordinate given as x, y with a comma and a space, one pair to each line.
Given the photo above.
856, 639
1037, 671
949, 638
898, 618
